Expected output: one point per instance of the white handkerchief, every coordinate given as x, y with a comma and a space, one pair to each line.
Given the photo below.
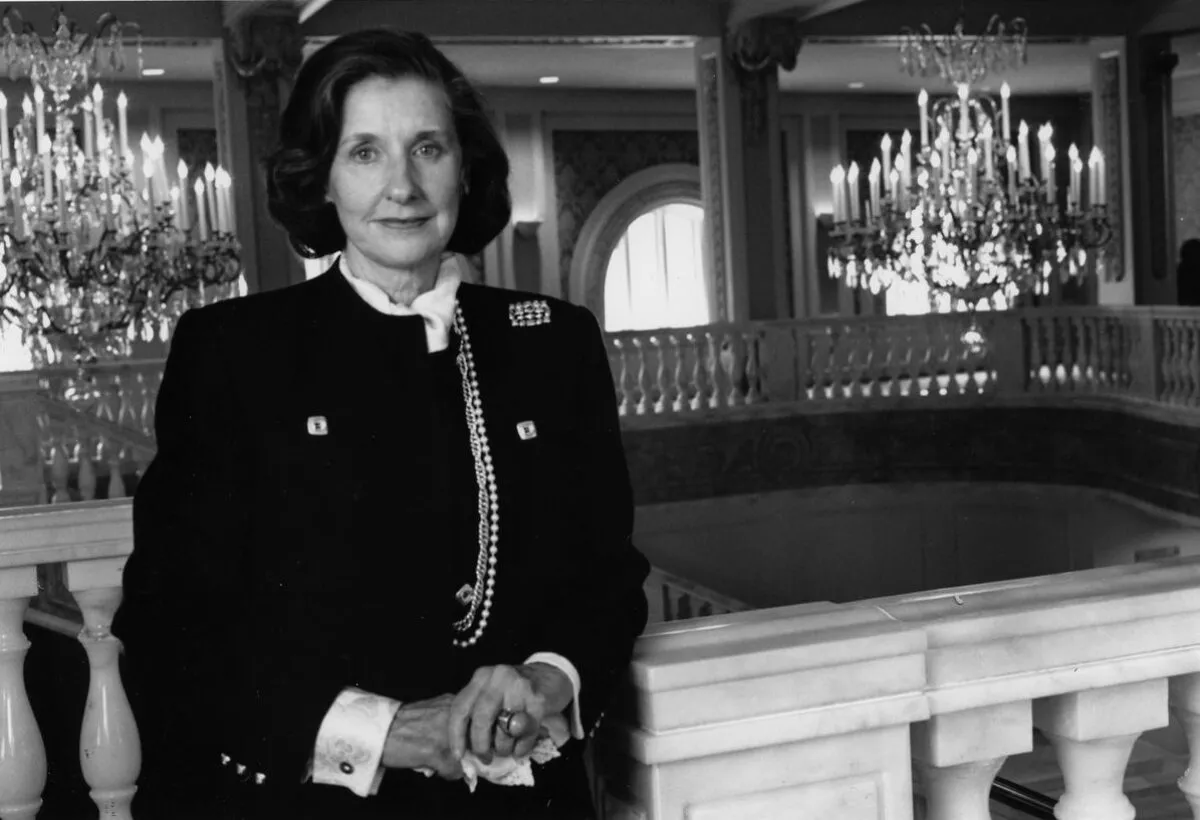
511, 771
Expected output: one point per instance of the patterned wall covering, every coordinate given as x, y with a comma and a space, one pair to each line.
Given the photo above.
1187, 178
589, 164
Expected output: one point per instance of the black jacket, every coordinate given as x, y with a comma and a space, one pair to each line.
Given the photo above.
273, 567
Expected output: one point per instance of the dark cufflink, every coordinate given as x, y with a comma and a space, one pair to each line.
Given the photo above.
347, 767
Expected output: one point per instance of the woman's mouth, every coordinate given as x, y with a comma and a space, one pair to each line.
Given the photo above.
400, 224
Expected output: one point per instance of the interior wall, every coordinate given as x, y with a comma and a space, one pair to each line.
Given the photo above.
568, 148
863, 541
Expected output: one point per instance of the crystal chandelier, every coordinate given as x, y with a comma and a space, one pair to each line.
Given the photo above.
94, 255
965, 212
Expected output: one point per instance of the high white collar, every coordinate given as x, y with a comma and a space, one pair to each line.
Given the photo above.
436, 305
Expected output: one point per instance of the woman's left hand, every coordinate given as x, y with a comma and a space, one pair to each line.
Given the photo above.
537, 690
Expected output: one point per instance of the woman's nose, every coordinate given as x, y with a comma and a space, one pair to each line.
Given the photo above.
402, 184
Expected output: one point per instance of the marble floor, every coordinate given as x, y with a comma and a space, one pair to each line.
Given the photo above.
1159, 758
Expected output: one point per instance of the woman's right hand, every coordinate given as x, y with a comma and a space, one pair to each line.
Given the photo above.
419, 738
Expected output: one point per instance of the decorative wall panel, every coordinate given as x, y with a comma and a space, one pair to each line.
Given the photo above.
1187, 178
589, 164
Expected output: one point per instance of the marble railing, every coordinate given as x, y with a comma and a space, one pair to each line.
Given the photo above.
1133, 356
90, 543
826, 710
814, 710
672, 598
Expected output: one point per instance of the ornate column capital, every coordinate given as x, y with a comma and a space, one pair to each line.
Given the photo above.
766, 43
264, 44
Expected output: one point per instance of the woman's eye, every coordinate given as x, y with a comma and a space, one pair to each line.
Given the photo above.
429, 150
363, 153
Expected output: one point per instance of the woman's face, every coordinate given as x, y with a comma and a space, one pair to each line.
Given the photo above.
396, 174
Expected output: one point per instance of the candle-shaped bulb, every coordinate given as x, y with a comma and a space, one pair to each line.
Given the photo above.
3, 100
14, 179
886, 144
1073, 153
837, 176
923, 98
157, 145
1096, 157
145, 143
182, 170
1011, 155
852, 175
209, 173
27, 106
38, 94
222, 179
905, 140
98, 94
1023, 130
122, 101
199, 188
964, 91
1005, 91
876, 169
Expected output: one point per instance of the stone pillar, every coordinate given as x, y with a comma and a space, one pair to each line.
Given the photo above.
1110, 125
254, 66
742, 171
1149, 65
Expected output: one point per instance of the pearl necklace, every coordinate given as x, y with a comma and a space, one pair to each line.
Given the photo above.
489, 502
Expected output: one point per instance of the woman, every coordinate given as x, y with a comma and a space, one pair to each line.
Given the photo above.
385, 543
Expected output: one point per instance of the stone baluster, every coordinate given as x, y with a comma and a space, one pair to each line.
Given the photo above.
85, 454
144, 402
60, 471
1093, 733
110, 751
713, 370
116, 481
642, 389
751, 343
1107, 334
624, 387
1191, 365
733, 365
661, 387
815, 353
22, 752
682, 402
959, 753
665, 403
1185, 703
1169, 356
127, 416
697, 344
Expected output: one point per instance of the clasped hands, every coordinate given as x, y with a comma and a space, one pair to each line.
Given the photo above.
434, 734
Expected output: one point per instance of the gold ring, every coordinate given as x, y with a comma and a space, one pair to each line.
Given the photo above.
504, 721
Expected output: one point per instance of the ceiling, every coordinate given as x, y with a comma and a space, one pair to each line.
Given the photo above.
828, 67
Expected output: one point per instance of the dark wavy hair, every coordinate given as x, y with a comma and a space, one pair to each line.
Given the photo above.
298, 169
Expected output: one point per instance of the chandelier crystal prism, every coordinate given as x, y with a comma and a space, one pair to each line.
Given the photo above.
98, 250
971, 212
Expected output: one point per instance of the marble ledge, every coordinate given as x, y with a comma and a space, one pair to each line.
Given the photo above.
1049, 603
824, 640
1061, 679
650, 748
52, 534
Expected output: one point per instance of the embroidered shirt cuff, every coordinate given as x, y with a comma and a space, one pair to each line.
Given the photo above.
568, 669
350, 741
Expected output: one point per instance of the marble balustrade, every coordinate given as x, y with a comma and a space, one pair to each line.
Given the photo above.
813, 710
90, 542
828, 710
